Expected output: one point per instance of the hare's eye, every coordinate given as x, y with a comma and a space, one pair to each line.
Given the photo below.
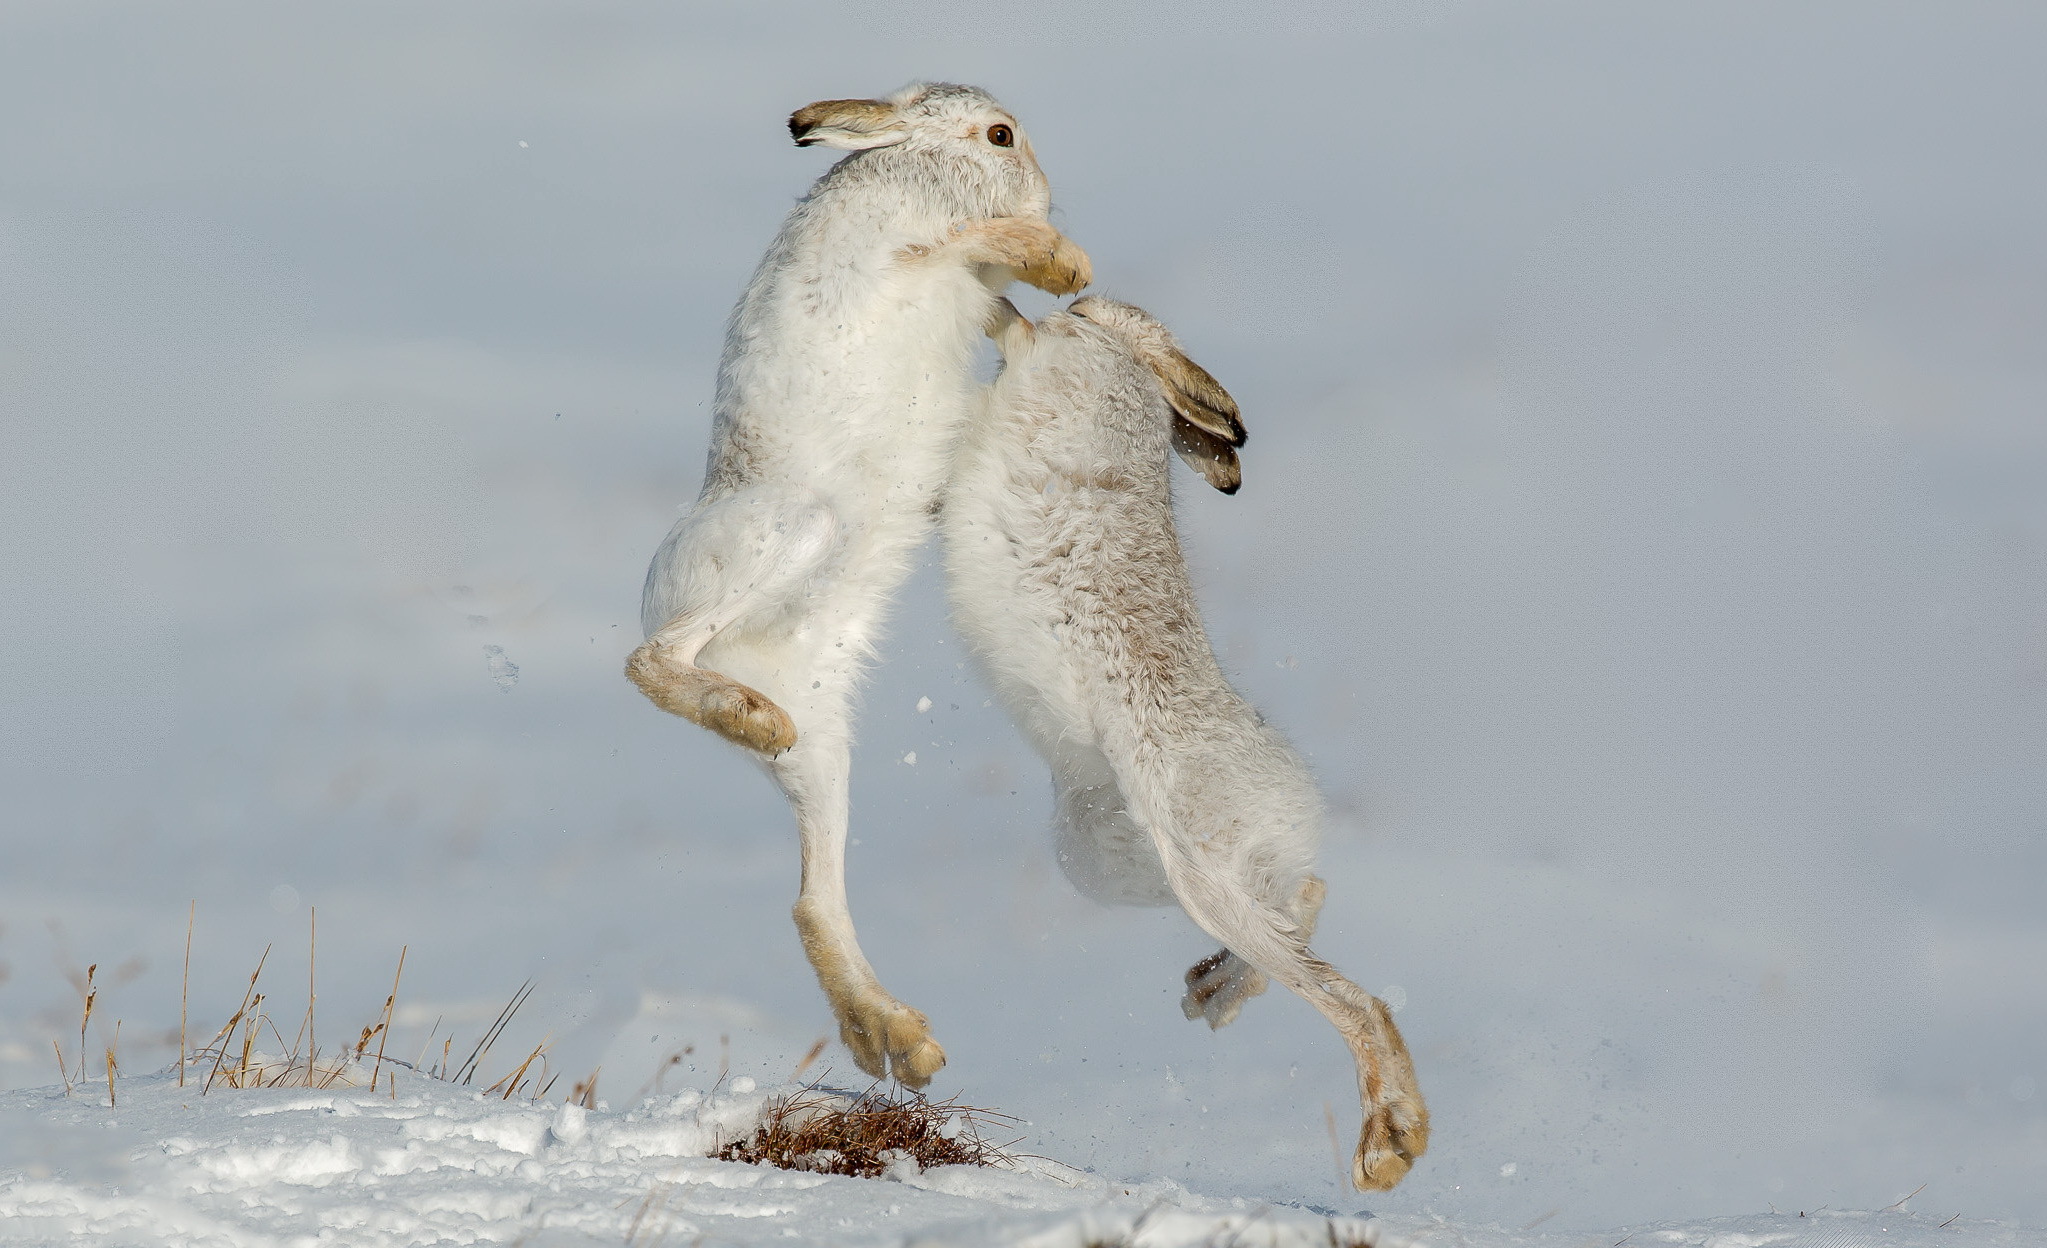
1001, 135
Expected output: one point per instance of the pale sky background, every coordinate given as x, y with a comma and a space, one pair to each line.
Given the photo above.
1644, 532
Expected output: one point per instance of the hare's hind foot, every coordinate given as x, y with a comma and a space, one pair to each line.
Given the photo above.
889, 1039
1037, 252
741, 715
1218, 986
1396, 1126
1394, 1135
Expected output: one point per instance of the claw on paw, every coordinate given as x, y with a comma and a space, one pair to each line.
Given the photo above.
1393, 1136
1065, 270
1037, 252
892, 1040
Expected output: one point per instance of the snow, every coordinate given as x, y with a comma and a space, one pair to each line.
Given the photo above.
503, 671
434, 1163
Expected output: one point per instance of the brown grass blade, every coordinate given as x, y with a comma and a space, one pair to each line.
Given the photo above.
390, 1003
490, 1037
810, 1058
185, 989
227, 1032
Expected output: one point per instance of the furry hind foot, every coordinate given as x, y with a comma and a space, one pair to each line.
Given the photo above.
1218, 986
889, 1038
1393, 1136
1396, 1126
741, 715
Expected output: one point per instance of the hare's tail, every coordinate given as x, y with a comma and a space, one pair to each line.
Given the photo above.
1262, 932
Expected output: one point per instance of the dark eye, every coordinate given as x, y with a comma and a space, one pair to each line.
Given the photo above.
1001, 135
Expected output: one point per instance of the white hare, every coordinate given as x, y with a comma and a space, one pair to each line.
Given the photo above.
1066, 577
846, 378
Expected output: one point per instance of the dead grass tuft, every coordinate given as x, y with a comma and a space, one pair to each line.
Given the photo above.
249, 1051
862, 1135
244, 1061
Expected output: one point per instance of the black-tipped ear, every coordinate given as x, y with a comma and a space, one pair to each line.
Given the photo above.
1213, 457
854, 125
1199, 398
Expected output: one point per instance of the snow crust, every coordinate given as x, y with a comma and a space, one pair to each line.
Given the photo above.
442, 1164
437, 1163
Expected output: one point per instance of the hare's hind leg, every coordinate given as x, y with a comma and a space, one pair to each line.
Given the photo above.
1219, 984
741, 715
739, 557
1396, 1126
887, 1038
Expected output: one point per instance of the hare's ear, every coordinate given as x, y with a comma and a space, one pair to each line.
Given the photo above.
854, 125
1214, 458
1206, 428
1197, 398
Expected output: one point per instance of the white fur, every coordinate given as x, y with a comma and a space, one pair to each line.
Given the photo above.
1066, 577
846, 378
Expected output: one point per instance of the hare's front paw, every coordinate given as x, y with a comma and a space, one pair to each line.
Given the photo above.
1039, 254
889, 1038
1218, 986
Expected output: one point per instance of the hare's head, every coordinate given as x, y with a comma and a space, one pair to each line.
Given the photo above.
1206, 428
955, 141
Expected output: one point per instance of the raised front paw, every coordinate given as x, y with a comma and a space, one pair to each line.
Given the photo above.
1066, 271
1039, 254
1218, 986
889, 1039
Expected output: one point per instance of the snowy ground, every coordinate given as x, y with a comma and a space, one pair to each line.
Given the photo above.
431, 1163
1644, 532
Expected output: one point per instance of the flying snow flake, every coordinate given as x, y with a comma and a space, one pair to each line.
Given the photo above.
522, 142
1507, 1171
923, 705
1395, 998
502, 669
911, 758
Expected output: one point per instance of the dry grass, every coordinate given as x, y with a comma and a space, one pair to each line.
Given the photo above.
237, 1056
249, 1051
864, 1134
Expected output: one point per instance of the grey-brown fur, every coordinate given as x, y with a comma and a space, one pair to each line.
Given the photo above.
1067, 578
